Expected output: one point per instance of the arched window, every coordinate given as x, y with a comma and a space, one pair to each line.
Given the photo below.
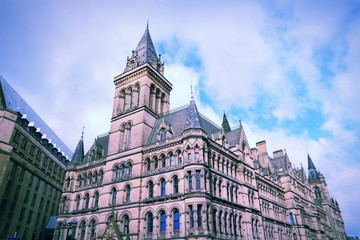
90, 179
68, 182
131, 98
176, 220
79, 180
163, 161
126, 221
117, 172
86, 206
123, 96
149, 223
179, 155
151, 189
291, 218
225, 223
101, 176
77, 203
162, 222
171, 157
176, 184
138, 96
129, 169
113, 196
163, 187
214, 221
128, 192
317, 193
295, 236
95, 177
92, 228
148, 165
123, 170
220, 221
82, 230
96, 198
156, 163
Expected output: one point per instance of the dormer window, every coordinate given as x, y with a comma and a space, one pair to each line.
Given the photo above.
162, 134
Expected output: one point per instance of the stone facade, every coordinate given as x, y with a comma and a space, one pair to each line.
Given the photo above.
32, 168
161, 174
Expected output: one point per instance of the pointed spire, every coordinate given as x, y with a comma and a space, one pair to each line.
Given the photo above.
312, 172
310, 163
145, 53
225, 124
192, 116
78, 155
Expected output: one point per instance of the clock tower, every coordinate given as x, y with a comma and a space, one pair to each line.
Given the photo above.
142, 93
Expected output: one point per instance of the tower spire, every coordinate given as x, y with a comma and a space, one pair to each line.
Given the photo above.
313, 173
145, 53
225, 124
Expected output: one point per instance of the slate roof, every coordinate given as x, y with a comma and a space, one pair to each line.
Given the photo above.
313, 173
78, 155
101, 141
184, 118
16, 103
144, 52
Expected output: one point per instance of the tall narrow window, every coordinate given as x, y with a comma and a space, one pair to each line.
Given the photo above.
176, 184
196, 154
86, 201
151, 189
126, 225
225, 223
156, 163
163, 222
163, 187
113, 196
162, 134
82, 229
131, 98
77, 203
96, 198
176, 220
197, 179
171, 156
163, 161
220, 221
149, 223
179, 157
190, 181
138, 96
123, 170
68, 182
189, 156
117, 172
191, 213
128, 192
214, 221
129, 169
291, 218
92, 228
199, 215
148, 165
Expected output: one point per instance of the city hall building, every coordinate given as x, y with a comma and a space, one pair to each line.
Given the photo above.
174, 174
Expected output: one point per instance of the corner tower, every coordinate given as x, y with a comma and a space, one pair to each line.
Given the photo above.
142, 93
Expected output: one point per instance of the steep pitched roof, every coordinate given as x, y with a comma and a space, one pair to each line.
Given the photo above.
78, 156
177, 119
13, 101
144, 53
225, 124
312, 172
192, 116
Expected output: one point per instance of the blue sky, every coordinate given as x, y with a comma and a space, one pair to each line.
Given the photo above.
288, 69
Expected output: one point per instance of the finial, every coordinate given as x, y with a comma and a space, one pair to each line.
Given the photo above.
82, 134
147, 25
192, 95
